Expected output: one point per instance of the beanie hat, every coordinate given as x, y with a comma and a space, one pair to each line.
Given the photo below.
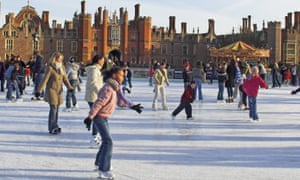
71, 59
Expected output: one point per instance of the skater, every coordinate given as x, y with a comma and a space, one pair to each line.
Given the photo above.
94, 82
199, 78
187, 75
39, 72
73, 76
229, 84
108, 97
222, 77
186, 99
126, 80
251, 87
54, 77
160, 78
12, 82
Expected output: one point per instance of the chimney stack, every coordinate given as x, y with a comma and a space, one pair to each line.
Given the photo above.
137, 12
45, 17
121, 14
289, 19
254, 27
183, 28
244, 27
172, 24
54, 25
83, 7
249, 23
297, 21
211, 26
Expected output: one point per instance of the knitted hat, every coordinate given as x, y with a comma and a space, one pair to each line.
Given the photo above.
71, 59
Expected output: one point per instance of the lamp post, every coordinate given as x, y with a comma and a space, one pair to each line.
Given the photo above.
35, 37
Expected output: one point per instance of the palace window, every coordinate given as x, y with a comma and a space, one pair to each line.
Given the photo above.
164, 50
184, 51
115, 36
60, 45
9, 44
74, 46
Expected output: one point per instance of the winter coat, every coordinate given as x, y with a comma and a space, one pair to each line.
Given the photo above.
161, 77
230, 71
94, 82
252, 84
199, 74
222, 77
108, 97
39, 65
188, 95
72, 71
238, 79
187, 76
53, 80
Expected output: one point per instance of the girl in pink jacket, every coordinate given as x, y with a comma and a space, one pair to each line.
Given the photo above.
109, 96
251, 86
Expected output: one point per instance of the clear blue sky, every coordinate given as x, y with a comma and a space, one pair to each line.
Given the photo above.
227, 14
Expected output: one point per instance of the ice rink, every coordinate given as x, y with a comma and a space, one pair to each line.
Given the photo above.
219, 144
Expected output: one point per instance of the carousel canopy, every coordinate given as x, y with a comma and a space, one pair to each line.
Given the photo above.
239, 49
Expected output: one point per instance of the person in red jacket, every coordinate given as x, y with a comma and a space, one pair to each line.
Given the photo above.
186, 99
251, 87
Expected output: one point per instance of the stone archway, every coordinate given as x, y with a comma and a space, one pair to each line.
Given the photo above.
116, 56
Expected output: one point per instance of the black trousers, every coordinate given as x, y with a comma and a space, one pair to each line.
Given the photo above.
181, 106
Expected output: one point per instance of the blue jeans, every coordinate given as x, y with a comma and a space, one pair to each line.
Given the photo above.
71, 94
252, 108
53, 116
37, 81
198, 88
94, 129
11, 86
275, 80
221, 91
103, 158
230, 92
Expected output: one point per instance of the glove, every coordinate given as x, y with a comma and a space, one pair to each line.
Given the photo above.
37, 94
88, 121
293, 92
138, 108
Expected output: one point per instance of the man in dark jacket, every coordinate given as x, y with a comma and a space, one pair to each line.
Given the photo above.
38, 71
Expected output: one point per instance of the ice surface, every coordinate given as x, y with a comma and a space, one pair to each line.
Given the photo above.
220, 143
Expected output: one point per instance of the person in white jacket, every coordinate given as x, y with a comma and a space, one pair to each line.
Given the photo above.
94, 82
72, 70
160, 79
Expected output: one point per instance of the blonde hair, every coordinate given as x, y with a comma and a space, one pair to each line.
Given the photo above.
55, 56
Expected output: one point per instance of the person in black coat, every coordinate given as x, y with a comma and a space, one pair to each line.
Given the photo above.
229, 84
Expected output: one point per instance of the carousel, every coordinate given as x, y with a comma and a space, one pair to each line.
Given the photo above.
241, 50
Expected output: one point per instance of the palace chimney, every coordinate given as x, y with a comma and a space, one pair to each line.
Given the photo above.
137, 12
172, 24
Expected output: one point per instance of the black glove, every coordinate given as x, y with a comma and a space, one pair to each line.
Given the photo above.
88, 121
138, 108
37, 94
295, 91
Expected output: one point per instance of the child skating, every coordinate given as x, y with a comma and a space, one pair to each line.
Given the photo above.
186, 99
